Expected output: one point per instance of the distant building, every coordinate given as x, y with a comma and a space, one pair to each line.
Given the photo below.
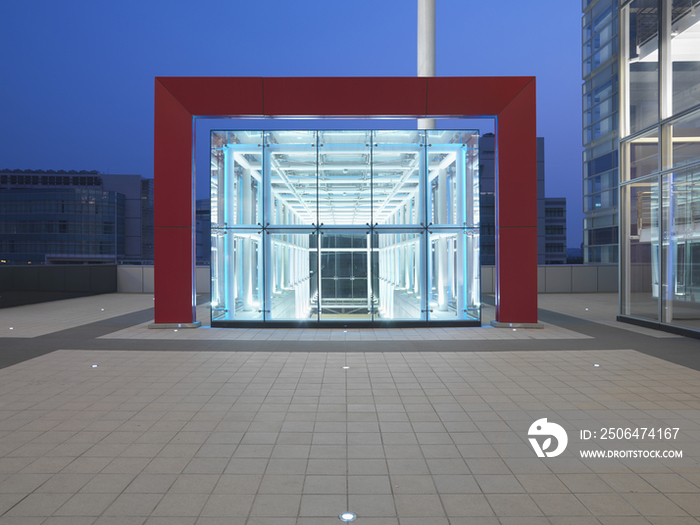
487, 206
487, 199
555, 230
203, 225
53, 217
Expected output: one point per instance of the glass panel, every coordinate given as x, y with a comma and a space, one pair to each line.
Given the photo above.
685, 54
237, 287
641, 236
290, 164
396, 176
453, 277
287, 267
686, 140
344, 272
397, 276
681, 291
643, 155
643, 62
236, 165
221, 252
344, 178
293, 279
453, 182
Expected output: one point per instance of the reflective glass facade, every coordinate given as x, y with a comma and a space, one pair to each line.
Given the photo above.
344, 227
61, 225
660, 163
600, 130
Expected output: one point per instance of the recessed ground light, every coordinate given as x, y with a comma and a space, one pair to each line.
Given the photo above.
596, 365
346, 367
515, 329
176, 330
586, 309
12, 328
102, 309
93, 366
347, 516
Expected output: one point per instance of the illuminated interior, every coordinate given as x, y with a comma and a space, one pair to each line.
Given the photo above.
660, 163
345, 227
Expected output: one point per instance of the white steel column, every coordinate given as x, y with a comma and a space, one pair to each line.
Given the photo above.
468, 276
246, 196
228, 260
426, 48
369, 272
441, 252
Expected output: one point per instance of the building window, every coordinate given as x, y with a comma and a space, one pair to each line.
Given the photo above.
554, 230
554, 247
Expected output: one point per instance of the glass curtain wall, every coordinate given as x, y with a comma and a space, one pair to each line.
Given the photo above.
344, 227
660, 160
600, 39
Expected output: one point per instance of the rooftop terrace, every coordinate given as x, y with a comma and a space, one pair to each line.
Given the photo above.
292, 427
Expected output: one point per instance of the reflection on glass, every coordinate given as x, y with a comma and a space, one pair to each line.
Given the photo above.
398, 276
293, 270
397, 176
685, 54
344, 178
344, 273
290, 165
643, 63
681, 249
236, 175
451, 160
333, 225
643, 155
450, 268
237, 270
686, 139
642, 235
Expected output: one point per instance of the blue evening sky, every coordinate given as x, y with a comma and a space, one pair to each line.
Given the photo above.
76, 76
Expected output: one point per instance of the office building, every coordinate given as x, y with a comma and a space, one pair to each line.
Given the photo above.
600, 130
660, 163
555, 230
203, 228
52, 217
138, 214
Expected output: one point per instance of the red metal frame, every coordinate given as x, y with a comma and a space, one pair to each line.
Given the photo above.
510, 100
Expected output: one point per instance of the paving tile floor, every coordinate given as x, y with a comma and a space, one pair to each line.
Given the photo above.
201, 437
397, 438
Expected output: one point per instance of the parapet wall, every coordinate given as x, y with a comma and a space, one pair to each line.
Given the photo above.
555, 278
21, 285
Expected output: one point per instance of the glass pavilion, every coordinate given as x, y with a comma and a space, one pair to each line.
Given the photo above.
345, 227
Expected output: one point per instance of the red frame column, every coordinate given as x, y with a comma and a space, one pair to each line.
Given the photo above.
511, 100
